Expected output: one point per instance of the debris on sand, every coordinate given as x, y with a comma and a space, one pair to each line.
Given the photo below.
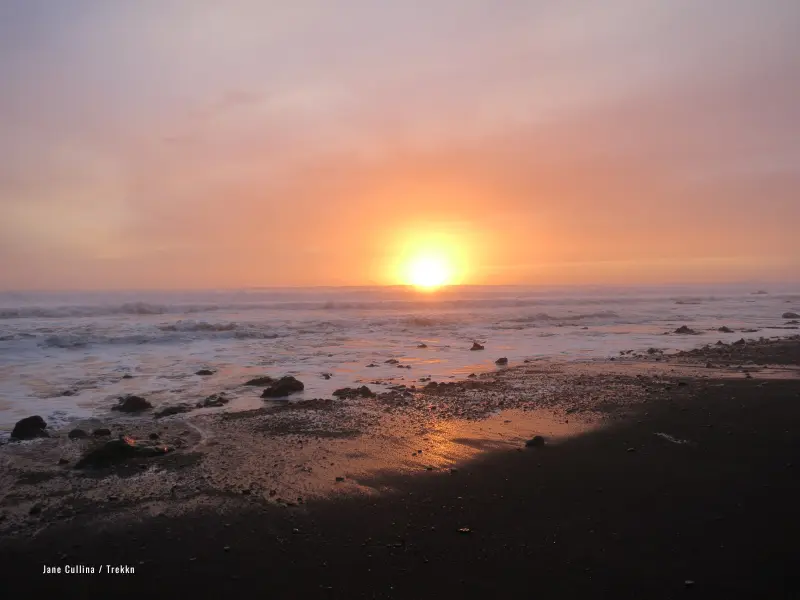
283, 387
477, 346
29, 428
536, 441
131, 403
259, 381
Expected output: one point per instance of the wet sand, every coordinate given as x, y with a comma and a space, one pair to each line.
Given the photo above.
661, 477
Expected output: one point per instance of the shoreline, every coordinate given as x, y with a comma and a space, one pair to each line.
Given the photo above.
374, 447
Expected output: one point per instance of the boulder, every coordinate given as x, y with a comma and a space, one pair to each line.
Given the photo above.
101, 432
740, 342
213, 401
476, 346
77, 434
127, 376
363, 392
117, 451
683, 329
261, 381
725, 329
501, 361
392, 361
29, 428
283, 387
175, 409
132, 404
205, 372
790, 315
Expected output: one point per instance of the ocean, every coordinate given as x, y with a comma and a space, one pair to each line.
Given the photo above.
64, 355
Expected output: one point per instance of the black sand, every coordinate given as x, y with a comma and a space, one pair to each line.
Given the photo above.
616, 513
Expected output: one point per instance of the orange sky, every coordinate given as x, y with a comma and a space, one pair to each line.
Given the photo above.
197, 145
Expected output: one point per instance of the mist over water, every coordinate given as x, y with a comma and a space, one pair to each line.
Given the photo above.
83, 343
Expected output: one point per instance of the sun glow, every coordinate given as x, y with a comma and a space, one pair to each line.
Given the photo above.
428, 260
429, 271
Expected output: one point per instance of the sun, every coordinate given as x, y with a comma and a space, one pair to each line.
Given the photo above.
429, 271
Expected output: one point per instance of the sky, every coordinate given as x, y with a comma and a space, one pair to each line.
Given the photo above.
205, 144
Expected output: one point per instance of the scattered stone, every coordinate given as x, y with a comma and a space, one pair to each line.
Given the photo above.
472, 376
740, 342
213, 401
77, 434
127, 376
326, 376
536, 441
131, 403
260, 381
432, 385
154, 436
631, 450
283, 387
422, 346
117, 451
725, 329
29, 428
69, 393
35, 509
63, 461
709, 365
477, 346
101, 432
790, 315
370, 365
392, 361
683, 329
340, 479
501, 361
205, 372
652, 350
348, 392
168, 411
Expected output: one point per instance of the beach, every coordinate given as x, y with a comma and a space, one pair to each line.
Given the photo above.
660, 476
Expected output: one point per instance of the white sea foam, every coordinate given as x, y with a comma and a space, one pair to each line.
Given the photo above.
85, 342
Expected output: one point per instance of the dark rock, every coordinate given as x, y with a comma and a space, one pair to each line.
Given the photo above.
117, 451
631, 450
422, 346
131, 404
536, 441
266, 380
29, 428
790, 315
154, 436
101, 432
213, 401
432, 386
127, 376
168, 411
283, 387
501, 361
205, 372
35, 509
392, 361
340, 479
370, 365
652, 351
63, 461
77, 434
724, 329
477, 346
326, 375
683, 329
69, 393
793, 322
348, 392
472, 376
740, 342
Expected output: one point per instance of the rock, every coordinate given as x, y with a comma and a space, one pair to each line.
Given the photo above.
131, 404
363, 392
29, 428
790, 315
63, 461
432, 386
724, 329
261, 381
205, 372
501, 361
536, 441
740, 342
117, 451
326, 375
392, 361
77, 434
683, 329
127, 376
476, 346
652, 351
101, 432
631, 450
283, 387
709, 365
69, 393
213, 401
154, 436
168, 411
370, 365
35, 509
472, 376
793, 322
422, 346
340, 479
